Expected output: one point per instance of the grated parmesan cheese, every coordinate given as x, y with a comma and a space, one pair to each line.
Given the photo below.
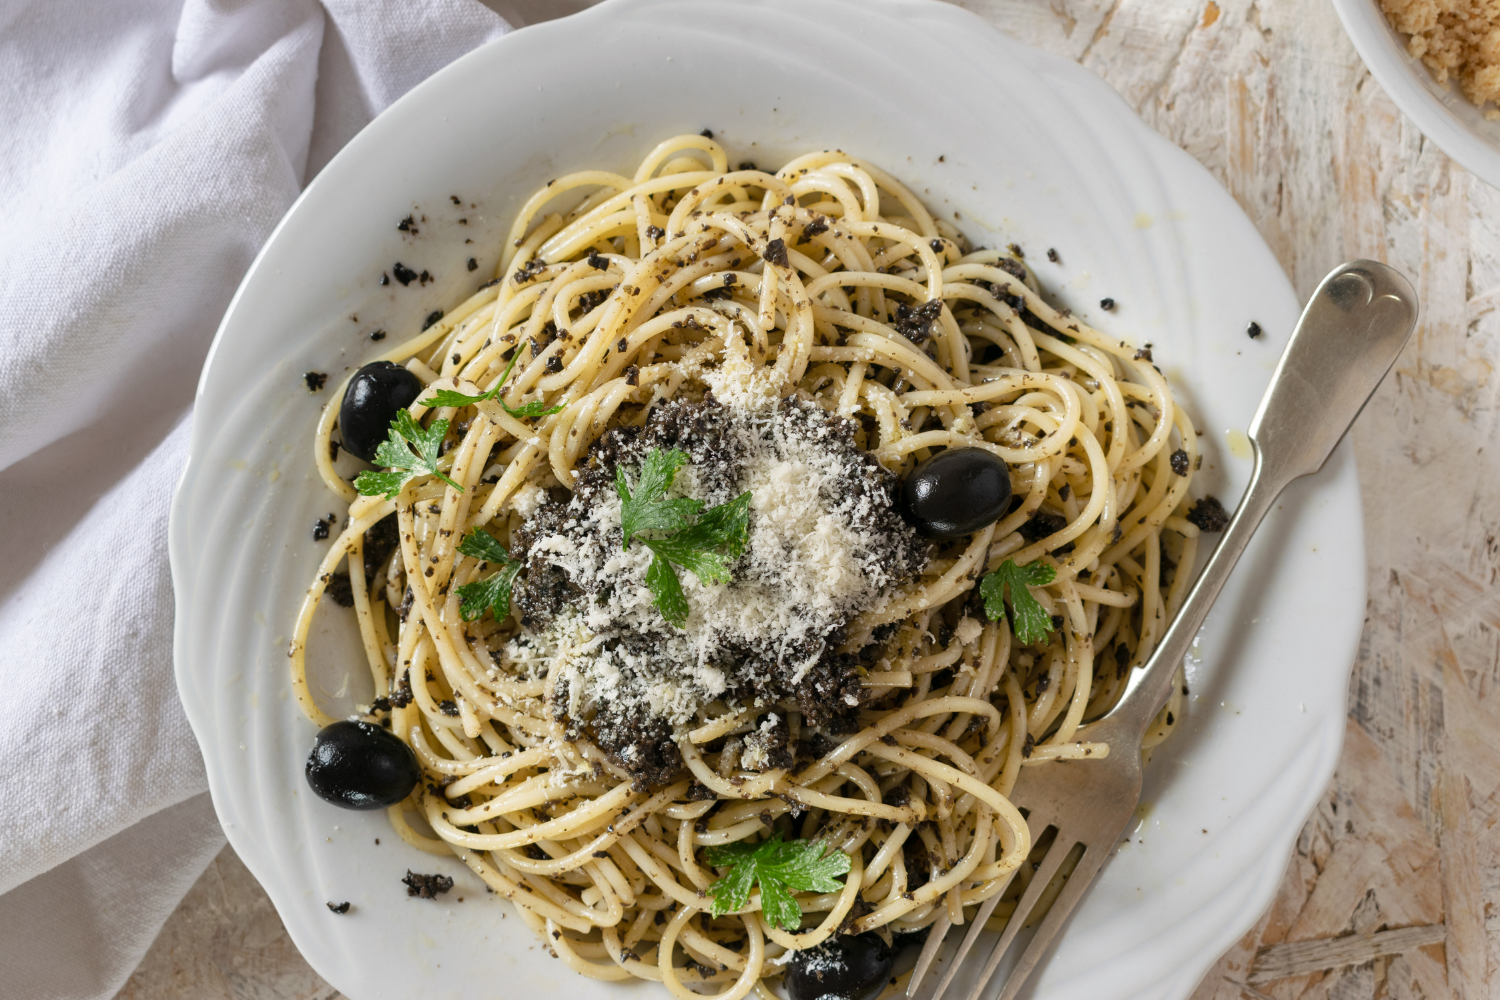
825, 544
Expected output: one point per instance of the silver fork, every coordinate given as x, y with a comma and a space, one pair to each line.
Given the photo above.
1347, 339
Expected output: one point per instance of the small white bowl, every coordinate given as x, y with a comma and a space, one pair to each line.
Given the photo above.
1443, 115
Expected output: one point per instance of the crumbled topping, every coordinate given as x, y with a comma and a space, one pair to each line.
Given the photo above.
825, 544
1208, 514
426, 886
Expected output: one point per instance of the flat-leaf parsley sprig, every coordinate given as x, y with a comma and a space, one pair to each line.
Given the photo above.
493, 592
781, 868
698, 543
409, 451
1028, 619
535, 408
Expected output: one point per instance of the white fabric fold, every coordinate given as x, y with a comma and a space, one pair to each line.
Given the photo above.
147, 150
79, 929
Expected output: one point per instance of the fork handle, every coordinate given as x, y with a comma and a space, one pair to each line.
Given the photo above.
1349, 336
1151, 687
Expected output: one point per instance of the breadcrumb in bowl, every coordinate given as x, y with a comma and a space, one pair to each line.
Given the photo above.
1417, 50
1455, 39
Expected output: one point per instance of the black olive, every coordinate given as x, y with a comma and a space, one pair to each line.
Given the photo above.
376, 393
359, 766
956, 492
844, 968
901, 940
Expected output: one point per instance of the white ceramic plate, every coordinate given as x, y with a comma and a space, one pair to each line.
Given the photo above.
1015, 146
1444, 115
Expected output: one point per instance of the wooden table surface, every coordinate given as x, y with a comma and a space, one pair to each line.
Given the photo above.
1394, 887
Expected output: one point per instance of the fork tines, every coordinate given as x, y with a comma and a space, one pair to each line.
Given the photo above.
1063, 873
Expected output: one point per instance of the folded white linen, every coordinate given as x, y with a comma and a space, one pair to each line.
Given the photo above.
147, 149
79, 929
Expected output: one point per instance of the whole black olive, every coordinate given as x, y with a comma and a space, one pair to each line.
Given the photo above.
359, 766
956, 492
843, 968
376, 393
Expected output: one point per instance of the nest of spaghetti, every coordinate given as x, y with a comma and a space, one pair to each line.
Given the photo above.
801, 338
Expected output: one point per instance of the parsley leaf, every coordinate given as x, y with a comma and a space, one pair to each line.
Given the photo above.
535, 408
666, 591
494, 590
1027, 616
700, 546
697, 548
480, 544
372, 483
780, 868
409, 449
726, 527
647, 509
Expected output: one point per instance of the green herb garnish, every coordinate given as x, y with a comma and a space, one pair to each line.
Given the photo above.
411, 451
535, 408
780, 868
494, 590
699, 544
1028, 618
647, 509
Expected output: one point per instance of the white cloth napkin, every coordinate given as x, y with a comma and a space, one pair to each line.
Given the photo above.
147, 148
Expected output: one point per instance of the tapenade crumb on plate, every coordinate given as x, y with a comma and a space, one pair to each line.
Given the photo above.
426, 886
1208, 515
341, 590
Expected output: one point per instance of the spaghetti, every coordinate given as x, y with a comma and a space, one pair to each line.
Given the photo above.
822, 295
